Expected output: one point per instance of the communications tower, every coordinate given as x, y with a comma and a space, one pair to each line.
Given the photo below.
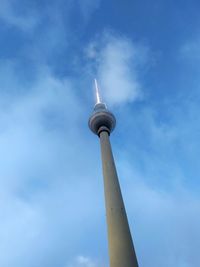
121, 249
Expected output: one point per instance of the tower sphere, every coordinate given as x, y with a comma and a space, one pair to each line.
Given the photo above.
101, 119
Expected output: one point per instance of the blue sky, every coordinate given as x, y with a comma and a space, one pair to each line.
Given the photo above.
146, 57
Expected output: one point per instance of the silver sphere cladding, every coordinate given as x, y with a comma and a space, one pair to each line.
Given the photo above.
101, 118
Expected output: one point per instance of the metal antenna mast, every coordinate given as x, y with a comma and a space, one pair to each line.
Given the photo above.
98, 99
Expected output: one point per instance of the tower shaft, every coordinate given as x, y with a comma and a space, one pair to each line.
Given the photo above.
121, 249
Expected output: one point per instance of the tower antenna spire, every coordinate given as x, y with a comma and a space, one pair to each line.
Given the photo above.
98, 99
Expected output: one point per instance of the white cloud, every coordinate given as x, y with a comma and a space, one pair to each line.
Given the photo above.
40, 140
117, 60
83, 261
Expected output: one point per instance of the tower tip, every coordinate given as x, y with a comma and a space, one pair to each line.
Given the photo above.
98, 99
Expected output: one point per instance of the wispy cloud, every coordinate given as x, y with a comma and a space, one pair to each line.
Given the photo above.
191, 50
11, 13
39, 134
87, 7
82, 261
26, 16
117, 60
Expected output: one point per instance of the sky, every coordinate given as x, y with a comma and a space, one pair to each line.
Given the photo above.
146, 58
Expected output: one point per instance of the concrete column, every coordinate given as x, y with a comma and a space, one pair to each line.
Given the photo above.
121, 249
